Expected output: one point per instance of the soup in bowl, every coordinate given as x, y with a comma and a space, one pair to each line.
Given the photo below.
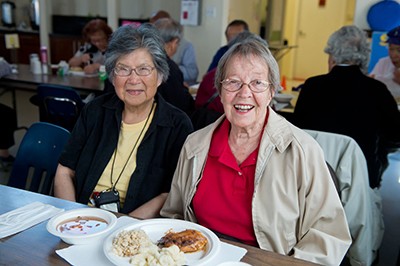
82, 226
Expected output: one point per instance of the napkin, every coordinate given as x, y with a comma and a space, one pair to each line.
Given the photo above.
20, 219
93, 254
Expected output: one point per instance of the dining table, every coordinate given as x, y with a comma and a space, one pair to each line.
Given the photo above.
22, 78
36, 246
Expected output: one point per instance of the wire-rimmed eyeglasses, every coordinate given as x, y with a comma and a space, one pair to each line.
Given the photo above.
123, 71
256, 85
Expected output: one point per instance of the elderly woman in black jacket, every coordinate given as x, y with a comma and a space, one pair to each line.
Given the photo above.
124, 148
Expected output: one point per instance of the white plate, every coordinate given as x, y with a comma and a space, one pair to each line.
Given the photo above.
156, 228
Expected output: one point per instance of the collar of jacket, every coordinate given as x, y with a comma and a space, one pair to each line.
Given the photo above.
349, 70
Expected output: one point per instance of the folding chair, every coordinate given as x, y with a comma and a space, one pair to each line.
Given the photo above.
59, 105
361, 204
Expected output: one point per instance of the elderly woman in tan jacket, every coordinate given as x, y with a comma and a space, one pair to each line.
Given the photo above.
255, 177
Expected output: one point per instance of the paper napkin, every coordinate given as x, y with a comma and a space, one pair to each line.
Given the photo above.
20, 219
92, 254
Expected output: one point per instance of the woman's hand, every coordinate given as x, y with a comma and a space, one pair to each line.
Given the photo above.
150, 209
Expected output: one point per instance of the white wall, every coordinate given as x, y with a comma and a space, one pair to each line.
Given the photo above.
206, 38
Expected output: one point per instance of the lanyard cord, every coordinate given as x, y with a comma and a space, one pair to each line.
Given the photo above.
134, 147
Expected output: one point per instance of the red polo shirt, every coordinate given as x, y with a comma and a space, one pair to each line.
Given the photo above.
223, 199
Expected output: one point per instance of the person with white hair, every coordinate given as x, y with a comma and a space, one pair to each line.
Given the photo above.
347, 101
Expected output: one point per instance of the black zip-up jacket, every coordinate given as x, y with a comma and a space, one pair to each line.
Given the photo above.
345, 101
95, 137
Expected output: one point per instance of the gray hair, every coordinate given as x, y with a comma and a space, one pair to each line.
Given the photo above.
252, 45
169, 29
349, 45
240, 37
127, 39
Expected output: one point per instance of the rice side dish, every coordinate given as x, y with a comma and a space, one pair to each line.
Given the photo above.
137, 245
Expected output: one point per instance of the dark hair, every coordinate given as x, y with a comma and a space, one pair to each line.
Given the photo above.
127, 39
93, 26
237, 22
158, 15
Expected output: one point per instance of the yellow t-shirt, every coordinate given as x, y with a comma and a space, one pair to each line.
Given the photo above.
126, 142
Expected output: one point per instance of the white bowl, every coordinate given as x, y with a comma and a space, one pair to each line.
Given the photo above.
283, 98
94, 224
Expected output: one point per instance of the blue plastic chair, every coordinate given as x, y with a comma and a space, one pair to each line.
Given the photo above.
60, 105
37, 158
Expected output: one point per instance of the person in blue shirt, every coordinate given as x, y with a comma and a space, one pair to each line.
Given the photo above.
185, 56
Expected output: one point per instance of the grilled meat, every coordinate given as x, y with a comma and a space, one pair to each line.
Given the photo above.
188, 240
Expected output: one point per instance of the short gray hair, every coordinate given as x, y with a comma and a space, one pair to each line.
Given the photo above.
251, 45
127, 39
169, 29
349, 45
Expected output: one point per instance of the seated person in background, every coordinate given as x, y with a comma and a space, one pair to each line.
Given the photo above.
234, 28
207, 87
126, 143
173, 89
256, 172
185, 56
90, 56
387, 69
346, 101
8, 123
8, 126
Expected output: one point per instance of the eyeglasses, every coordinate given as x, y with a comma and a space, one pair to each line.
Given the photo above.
127, 71
256, 85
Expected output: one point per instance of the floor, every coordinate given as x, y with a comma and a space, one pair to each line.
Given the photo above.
390, 190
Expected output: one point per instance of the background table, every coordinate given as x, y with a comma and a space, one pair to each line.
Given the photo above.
27, 81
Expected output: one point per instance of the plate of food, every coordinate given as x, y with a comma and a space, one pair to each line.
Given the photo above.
162, 242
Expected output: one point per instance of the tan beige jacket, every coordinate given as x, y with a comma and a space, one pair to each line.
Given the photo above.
295, 209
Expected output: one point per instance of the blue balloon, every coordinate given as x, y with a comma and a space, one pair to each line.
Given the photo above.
384, 15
